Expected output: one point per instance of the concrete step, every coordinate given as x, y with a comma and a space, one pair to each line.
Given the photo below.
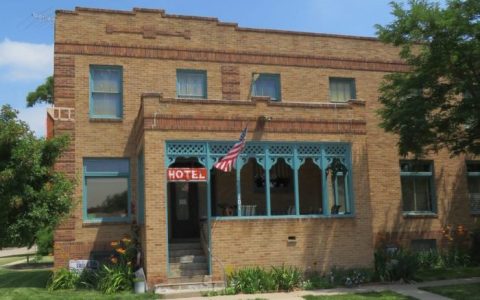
184, 246
187, 273
187, 289
189, 266
188, 259
185, 280
184, 252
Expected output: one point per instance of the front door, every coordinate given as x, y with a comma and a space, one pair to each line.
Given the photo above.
184, 210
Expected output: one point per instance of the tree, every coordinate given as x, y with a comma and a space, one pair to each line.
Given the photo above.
33, 197
437, 104
43, 93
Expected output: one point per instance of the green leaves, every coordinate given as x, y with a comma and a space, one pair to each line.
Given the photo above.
33, 196
441, 44
43, 93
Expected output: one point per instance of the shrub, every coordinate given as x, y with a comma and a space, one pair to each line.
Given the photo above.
315, 281
251, 280
475, 245
286, 278
63, 279
395, 265
115, 278
349, 277
87, 280
44, 241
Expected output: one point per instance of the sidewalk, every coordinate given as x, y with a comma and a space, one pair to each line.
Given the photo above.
17, 251
404, 289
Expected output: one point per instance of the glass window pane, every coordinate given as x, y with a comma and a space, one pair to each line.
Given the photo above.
191, 84
182, 208
224, 192
407, 193
106, 165
422, 194
473, 166
106, 104
252, 182
282, 197
341, 89
474, 192
106, 80
310, 188
267, 86
107, 197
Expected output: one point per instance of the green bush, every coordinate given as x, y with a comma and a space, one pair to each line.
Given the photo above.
44, 241
286, 278
251, 280
115, 278
433, 259
395, 265
63, 279
349, 277
315, 281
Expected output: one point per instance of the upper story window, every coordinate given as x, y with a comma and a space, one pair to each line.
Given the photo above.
106, 190
473, 181
266, 85
417, 186
192, 84
106, 92
342, 89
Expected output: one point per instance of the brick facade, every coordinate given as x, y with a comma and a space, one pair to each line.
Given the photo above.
151, 45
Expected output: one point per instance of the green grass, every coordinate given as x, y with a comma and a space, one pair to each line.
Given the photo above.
30, 284
9, 259
469, 291
448, 273
387, 295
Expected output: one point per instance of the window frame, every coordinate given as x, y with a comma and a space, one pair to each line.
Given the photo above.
140, 207
420, 174
192, 71
353, 88
92, 113
278, 88
473, 174
106, 174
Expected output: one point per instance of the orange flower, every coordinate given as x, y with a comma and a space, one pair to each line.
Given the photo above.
114, 244
120, 250
114, 260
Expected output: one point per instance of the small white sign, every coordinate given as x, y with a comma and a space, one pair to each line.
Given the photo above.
81, 264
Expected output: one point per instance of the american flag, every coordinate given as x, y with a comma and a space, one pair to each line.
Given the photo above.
228, 161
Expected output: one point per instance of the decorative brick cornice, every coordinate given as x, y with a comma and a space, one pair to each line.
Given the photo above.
278, 125
244, 57
148, 32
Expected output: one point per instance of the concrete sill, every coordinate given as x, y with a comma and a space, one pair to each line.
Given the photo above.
419, 215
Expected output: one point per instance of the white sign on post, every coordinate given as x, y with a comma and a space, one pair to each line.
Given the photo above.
80, 264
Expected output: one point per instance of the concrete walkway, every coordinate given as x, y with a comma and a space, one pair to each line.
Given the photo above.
404, 289
17, 251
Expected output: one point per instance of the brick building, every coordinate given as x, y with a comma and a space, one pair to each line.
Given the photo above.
319, 183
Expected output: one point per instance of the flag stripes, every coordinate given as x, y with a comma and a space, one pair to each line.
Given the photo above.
228, 161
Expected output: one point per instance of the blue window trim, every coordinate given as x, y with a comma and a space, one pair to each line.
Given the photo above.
429, 174
192, 71
91, 112
278, 88
105, 175
141, 188
351, 81
473, 174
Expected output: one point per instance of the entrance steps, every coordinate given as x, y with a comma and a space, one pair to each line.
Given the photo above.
188, 276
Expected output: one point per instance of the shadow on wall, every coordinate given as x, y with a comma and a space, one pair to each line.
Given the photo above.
453, 209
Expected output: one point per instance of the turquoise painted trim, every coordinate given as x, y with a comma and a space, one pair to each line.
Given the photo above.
239, 188
473, 174
420, 213
86, 175
192, 71
209, 209
267, 166
350, 182
92, 114
425, 174
278, 87
433, 193
167, 235
325, 200
296, 191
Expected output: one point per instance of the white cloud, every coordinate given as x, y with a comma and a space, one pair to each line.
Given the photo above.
25, 61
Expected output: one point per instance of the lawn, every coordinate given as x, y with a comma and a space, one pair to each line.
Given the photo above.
30, 284
448, 273
387, 295
8, 259
469, 291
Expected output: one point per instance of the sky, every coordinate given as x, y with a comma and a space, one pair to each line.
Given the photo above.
26, 32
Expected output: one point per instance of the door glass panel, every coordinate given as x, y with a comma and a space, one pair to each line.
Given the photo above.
181, 201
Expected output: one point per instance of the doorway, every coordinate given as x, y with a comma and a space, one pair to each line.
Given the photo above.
184, 212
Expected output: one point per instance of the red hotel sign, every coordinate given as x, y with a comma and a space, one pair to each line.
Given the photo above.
187, 174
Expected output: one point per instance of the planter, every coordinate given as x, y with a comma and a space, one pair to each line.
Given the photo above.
139, 287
